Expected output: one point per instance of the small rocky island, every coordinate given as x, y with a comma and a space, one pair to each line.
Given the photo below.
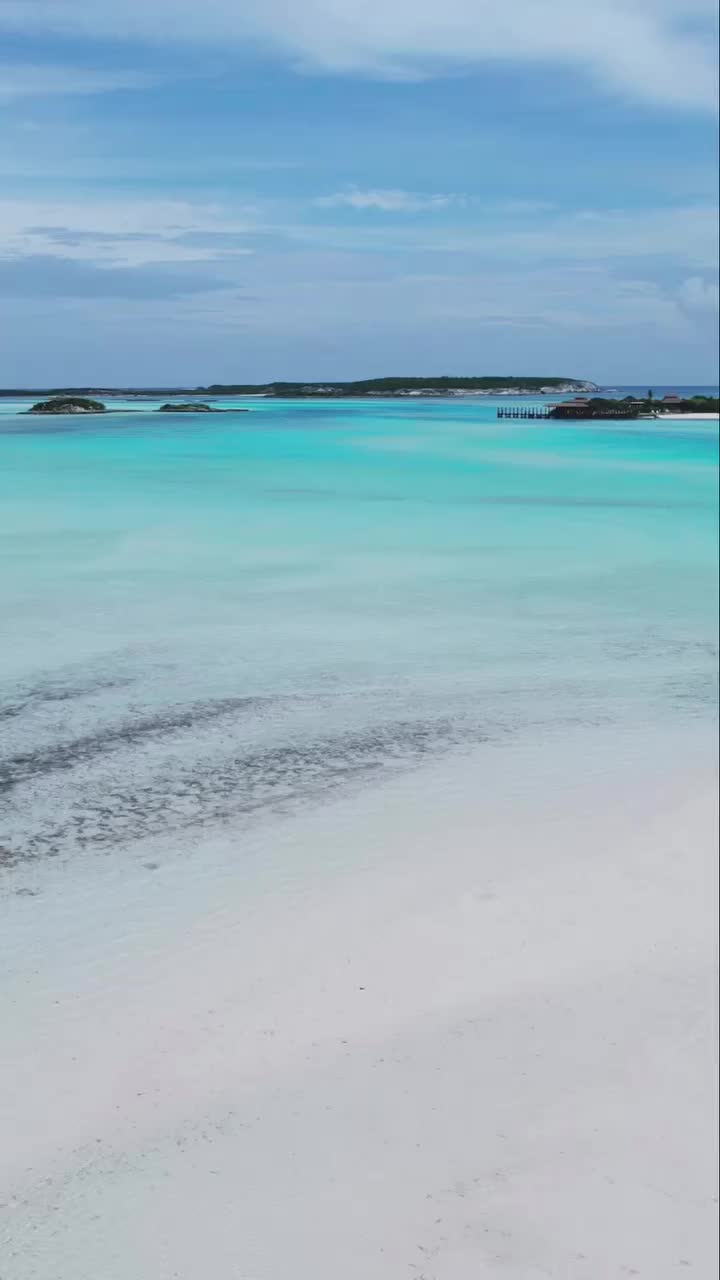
68, 404
193, 406
187, 406
83, 404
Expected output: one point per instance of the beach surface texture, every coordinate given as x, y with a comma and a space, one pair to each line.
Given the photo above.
359, 854
692, 417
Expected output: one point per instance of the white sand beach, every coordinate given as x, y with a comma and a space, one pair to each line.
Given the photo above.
692, 417
460, 1026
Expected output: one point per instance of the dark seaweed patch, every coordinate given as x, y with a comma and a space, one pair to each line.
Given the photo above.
66, 755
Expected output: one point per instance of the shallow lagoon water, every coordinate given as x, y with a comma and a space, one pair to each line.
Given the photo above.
206, 620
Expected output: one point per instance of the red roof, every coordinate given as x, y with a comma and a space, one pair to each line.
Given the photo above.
673, 397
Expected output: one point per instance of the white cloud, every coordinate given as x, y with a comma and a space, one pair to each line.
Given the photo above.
18, 80
654, 50
122, 233
699, 294
562, 301
388, 201
687, 235
132, 232
328, 312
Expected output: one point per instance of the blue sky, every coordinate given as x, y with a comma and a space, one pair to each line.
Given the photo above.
349, 188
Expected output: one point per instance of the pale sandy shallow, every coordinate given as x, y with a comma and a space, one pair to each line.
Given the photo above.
461, 1027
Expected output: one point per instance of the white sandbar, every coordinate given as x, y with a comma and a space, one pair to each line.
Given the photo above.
455, 1028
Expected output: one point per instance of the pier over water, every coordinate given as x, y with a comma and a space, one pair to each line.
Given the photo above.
523, 413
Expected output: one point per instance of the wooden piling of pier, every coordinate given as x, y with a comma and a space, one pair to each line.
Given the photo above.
508, 412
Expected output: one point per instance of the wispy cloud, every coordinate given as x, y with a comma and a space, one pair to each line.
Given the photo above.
387, 201
394, 200
659, 51
413, 290
133, 232
321, 311
700, 294
18, 80
123, 233
682, 234
46, 277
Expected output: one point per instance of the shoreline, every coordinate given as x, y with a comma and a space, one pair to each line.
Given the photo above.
460, 1022
692, 417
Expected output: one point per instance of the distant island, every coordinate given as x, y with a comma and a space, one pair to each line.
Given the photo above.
381, 387
68, 404
384, 387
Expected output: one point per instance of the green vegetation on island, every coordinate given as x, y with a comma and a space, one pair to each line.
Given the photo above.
68, 404
437, 386
194, 406
582, 408
186, 406
680, 404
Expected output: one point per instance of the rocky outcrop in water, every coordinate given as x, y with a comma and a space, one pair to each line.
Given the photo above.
68, 404
186, 407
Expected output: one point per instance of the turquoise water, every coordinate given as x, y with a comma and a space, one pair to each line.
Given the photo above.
206, 619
